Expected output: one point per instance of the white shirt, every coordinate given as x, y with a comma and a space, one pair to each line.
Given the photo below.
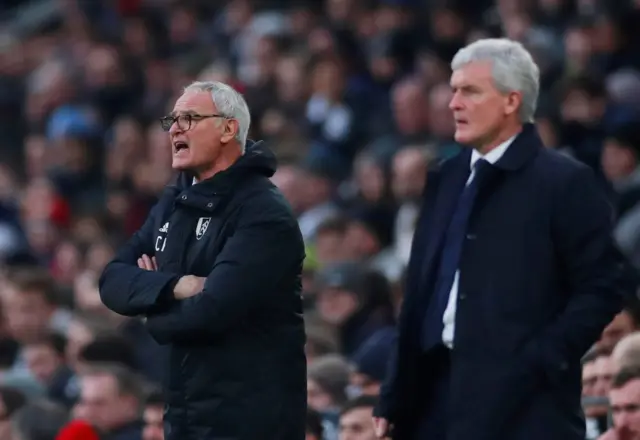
449, 317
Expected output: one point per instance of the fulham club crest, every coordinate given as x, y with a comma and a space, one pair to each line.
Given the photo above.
201, 228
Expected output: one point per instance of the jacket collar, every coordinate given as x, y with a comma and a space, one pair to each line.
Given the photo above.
524, 147
258, 159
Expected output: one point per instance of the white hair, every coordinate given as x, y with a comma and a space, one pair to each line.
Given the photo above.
229, 103
513, 68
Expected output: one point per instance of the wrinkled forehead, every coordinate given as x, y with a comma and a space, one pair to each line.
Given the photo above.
194, 102
475, 72
627, 394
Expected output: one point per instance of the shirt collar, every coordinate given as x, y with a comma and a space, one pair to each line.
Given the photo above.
492, 156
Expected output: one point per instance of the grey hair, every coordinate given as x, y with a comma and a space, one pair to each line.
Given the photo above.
40, 419
229, 103
513, 69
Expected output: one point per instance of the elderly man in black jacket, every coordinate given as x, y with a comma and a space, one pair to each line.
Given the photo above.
216, 269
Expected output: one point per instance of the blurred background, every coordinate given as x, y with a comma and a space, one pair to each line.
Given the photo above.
352, 95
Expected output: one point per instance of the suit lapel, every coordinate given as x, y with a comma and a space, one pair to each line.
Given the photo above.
450, 187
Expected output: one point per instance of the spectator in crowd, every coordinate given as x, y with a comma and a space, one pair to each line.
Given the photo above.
627, 352
356, 301
152, 416
370, 363
107, 349
327, 379
597, 374
30, 307
314, 429
355, 419
625, 405
45, 358
11, 400
327, 382
321, 340
38, 420
111, 399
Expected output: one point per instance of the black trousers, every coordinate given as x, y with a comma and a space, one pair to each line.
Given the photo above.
432, 424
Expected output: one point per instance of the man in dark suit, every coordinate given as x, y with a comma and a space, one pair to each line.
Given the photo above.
512, 277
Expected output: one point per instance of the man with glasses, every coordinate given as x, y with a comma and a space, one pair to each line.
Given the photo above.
216, 272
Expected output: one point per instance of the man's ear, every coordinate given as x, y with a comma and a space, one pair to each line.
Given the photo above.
513, 103
230, 130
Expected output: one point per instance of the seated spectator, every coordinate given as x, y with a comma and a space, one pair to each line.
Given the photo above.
624, 397
356, 419
153, 416
29, 303
111, 399
356, 301
620, 163
83, 328
627, 352
370, 363
314, 428
46, 361
320, 341
329, 240
39, 420
11, 400
45, 357
107, 349
597, 374
327, 380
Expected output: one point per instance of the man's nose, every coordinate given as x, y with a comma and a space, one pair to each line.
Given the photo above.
174, 129
622, 421
455, 103
600, 388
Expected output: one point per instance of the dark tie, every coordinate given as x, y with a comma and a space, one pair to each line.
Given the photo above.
432, 326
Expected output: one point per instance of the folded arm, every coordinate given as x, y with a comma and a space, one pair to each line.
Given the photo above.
129, 290
262, 251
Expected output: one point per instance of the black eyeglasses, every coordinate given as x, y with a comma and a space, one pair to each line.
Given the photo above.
184, 121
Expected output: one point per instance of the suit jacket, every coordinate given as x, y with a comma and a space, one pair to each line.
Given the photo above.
539, 280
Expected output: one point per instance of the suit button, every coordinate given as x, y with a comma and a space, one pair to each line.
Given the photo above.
462, 296
471, 236
184, 197
209, 205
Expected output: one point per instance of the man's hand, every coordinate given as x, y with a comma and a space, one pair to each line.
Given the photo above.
148, 263
381, 427
188, 286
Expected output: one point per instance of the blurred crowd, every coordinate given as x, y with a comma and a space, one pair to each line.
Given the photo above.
352, 96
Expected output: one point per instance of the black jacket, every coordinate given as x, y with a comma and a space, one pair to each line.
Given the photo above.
237, 365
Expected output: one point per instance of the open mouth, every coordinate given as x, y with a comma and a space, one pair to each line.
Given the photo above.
179, 146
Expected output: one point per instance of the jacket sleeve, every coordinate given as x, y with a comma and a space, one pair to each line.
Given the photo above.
597, 278
265, 248
596, 274
386, 406
128, 290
